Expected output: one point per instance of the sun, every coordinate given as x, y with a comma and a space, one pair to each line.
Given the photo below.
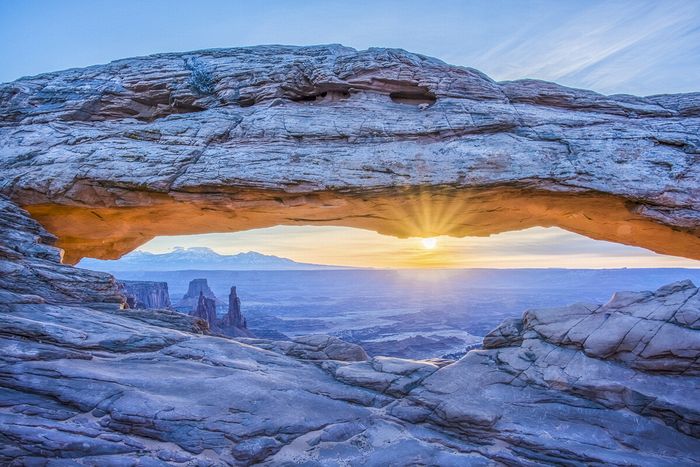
429, 243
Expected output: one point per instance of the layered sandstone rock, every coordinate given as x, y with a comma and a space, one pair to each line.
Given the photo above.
168, 319
234, 317
200, 302
233, 323
592, 377
317, 347
146, 294
655, 332
31, 265
206, 310
196, 287
379, 139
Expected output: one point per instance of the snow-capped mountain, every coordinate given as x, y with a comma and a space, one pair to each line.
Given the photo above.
200, 258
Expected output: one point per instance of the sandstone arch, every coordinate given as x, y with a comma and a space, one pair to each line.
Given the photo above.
111, 232
109, 156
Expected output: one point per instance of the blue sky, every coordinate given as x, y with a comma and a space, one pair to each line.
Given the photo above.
637, 47
640, 47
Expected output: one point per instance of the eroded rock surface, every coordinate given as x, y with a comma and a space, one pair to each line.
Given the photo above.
146, 294
387, 375
651, 331
195, 289
255, 137
233, 323
168, 319
592, 383
612, 384
205, 310
234, 317
31, 265
313, 347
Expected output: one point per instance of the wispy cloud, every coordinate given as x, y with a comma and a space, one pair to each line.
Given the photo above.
632, 47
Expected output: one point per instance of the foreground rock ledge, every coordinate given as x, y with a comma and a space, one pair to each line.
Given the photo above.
85, 383
109, 156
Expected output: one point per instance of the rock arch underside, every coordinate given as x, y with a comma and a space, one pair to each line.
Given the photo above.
110, 156
97, 161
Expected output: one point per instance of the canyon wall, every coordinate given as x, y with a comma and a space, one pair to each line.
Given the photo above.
146, 294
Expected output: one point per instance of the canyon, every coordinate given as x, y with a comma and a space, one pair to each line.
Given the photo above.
97, 161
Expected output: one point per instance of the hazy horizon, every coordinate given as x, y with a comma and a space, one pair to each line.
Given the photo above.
536, 247
328, 246
384, 310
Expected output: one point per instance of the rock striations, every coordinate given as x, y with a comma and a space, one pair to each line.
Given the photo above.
146, 294
190, 301
254, 137
31, 265
87, 384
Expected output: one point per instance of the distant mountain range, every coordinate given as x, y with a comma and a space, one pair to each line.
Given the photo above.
198, 258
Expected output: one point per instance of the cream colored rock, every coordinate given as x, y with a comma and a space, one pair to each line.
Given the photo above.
650, 331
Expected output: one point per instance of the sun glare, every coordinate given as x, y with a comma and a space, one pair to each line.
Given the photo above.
429, 243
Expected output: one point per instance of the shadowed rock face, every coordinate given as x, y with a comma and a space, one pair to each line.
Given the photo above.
31, 265
205, 310
146, 294
197, 287
233, 316
233, 323
109, 156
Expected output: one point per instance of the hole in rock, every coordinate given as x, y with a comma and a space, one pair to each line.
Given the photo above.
247, 102
310, 98
331, 95
415, 96
414, 297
